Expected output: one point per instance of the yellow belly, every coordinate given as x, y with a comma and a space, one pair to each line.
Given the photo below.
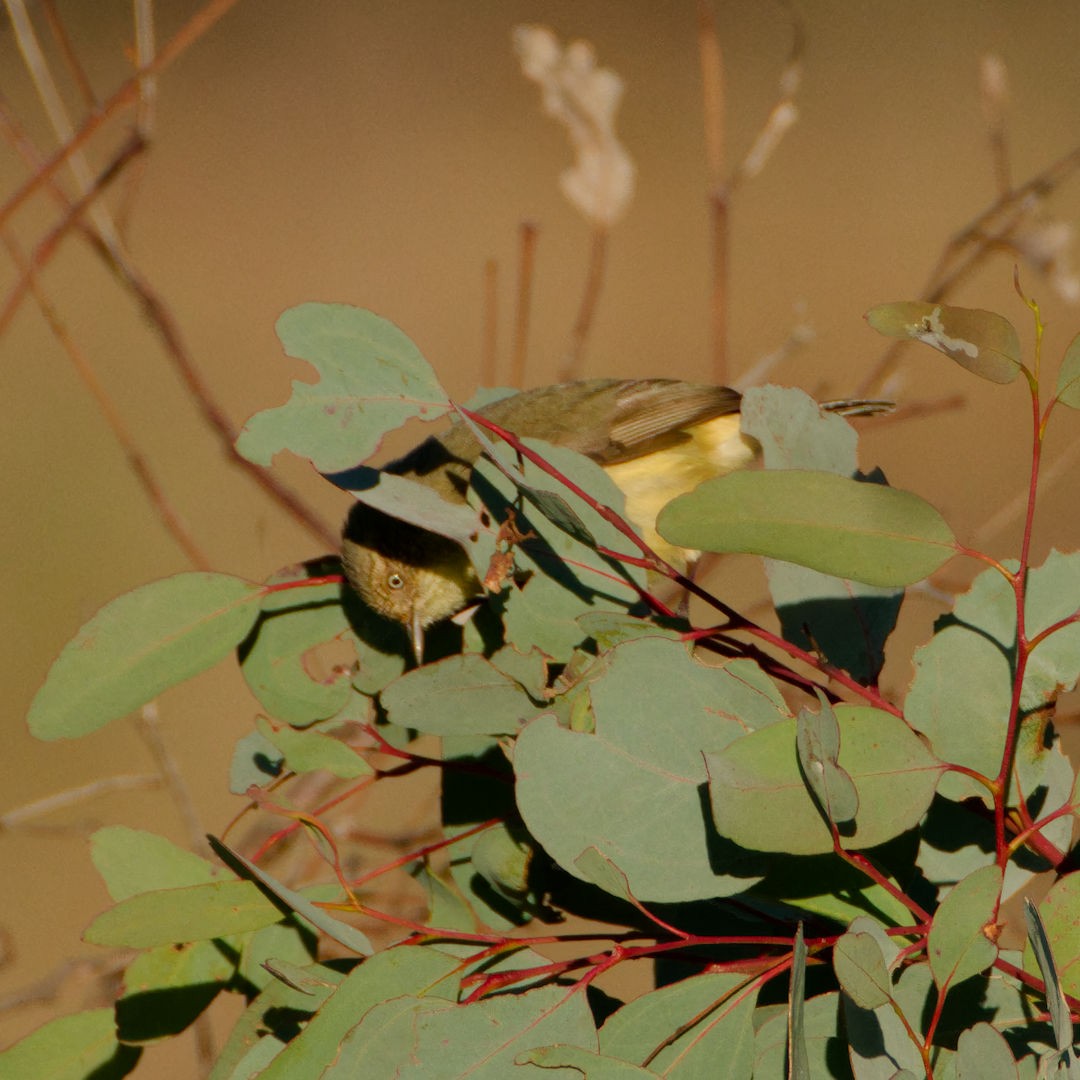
651, 481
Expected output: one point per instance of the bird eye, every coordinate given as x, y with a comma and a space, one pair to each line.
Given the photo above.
395, 581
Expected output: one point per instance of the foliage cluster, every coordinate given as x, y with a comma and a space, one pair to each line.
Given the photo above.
817, 870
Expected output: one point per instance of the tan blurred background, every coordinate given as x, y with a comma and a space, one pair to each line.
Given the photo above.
378, 154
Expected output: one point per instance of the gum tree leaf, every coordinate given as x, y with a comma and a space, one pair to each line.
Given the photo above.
713, 1015
1061, 924
958, 947
817, 740
71, 1048
132, 861
413, 1038
292, 624
195, 913
461, 695
306, 751
981, 341
338, 931
372, 379
983, 1054
1068, 384
582, 789
760, 801
139, 645
869, 533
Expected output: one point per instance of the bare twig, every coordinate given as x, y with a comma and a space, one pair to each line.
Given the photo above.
594, 281
128, 92
136, 459
712, 94
526, 264
149, 728
54, 107
990, 231
779, 121
145, 111
67, 51
23, 815
490, 349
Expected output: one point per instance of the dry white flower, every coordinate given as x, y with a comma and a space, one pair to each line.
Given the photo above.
584, 98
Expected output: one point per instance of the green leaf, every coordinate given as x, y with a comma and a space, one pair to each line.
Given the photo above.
292, 624
798, 1054
1059, 915
860, 970
372, 379
958, 947
71, 1048
826, 1046
132, 861
879, 1045
569, 577
632, 788
139, 645
412, 1037
461, 695
1056, 1004
1068, 384
586, 1062
195, 913
830, 523
689, 1029
759, 799
335, 929
307, 751
269, 1021
817, 739
168, 987
404, 970
981, 341
983, 1054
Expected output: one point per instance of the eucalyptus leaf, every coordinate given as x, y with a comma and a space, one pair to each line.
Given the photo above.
873, 534
139, 645
982, 341
372, 379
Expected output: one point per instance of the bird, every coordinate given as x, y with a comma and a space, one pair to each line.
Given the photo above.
656, 439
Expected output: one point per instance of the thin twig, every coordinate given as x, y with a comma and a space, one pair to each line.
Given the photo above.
972, 245
136, 459
54, 107
145, 110
594, 282
526, 264
162, 321
149, 728
67, 51
713, 97
489, 349
128, 92
22, 815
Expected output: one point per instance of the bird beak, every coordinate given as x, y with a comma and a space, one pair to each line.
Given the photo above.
416, 635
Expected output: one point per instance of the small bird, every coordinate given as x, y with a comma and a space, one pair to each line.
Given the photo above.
656, 438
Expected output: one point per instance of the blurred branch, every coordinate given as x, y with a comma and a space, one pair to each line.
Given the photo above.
67, 51
138, 461
594, 282
526, 264
712, 93
994, 95
53, 104
145, 110
489, 349
21, 816
778, 122
128, 92
149, 727
120, 262
997, 227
